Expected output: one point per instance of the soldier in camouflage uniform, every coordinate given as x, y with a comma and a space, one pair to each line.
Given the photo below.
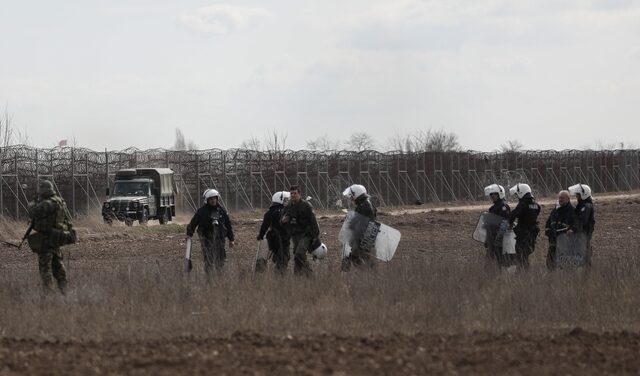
52, 230
300, 221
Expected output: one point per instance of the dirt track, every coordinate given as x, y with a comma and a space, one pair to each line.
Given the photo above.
435, 238
574, 352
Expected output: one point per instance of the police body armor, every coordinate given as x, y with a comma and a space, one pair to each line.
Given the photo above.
219, 229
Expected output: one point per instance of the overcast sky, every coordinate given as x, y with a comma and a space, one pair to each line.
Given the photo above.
111, 74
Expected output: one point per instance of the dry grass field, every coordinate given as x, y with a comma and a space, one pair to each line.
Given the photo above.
435, 308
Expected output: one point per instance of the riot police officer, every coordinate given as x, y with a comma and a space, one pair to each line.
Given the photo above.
277, 236
363, 206
213, 225
495, 233
585, 214
525, 215
561, 221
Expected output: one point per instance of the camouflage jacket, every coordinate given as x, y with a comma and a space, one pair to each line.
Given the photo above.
48, 213
302, 220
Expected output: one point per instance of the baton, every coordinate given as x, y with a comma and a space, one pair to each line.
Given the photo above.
187, 257
255, 263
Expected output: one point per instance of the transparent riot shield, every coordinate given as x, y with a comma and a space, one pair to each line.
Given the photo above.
377, 238
487, 223
387, 242
352, 230
571, 250
509, 243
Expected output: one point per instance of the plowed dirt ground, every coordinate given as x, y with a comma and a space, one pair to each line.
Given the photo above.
434, 309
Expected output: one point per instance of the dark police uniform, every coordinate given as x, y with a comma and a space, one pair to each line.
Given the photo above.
526, 213
277, 236
358, 256
561, 220
493, 244
213, 226
585, 222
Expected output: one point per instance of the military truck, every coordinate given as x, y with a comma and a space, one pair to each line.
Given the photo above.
141, 194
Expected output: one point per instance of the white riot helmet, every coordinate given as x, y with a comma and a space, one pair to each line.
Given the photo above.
355, 191
319, 251
582, 189
210, 193
519, 190
280, 197
494, 188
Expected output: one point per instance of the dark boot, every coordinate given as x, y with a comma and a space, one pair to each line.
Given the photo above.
261, 265
346, 264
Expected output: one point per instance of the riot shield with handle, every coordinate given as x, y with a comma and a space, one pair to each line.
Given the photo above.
488, 224
571, 249
374, 237
493, 231
509, 243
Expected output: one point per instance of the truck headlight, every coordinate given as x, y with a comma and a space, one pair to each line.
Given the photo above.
135, 205
107, 205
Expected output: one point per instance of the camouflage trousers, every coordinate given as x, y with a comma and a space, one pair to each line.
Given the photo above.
214, 253
301, 244
51, 265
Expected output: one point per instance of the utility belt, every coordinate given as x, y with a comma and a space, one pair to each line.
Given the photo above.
527, 229
53, 238
217, 231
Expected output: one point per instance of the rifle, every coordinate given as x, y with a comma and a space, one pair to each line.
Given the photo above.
26, 235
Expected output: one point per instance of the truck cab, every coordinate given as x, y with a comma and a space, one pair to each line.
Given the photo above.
141, 194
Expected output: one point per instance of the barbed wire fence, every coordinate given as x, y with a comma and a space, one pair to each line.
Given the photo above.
247, 179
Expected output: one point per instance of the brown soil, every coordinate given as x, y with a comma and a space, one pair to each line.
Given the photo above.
574, 352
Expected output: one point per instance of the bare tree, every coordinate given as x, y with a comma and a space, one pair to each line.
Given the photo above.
511, 146
360, 141
425, 140
6, 130
601, 145
252, 143
323, 143
275, 141
441, 141
181, 143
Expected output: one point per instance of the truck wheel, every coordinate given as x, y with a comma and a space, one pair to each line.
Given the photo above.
128, 222
145, 217
164, 219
